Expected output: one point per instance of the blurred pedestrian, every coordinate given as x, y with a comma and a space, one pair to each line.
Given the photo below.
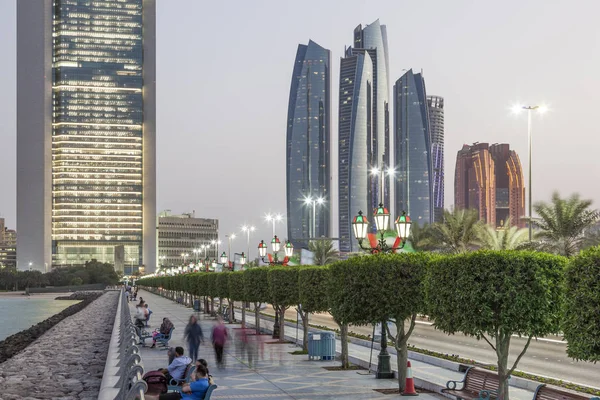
219, 338
193, 334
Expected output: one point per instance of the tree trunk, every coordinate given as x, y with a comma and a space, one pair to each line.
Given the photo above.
344, 340
257, 317
282, 323
401, 355
502, 349
304, 315
231, 314
212, 306
243, 314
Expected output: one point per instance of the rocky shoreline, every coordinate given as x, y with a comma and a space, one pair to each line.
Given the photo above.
68, 361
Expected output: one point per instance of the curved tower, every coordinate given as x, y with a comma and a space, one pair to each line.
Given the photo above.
308, 141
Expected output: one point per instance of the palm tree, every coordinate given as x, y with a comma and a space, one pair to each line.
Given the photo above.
323, 251
457, 233
420, 237
591, 238
506, 238
562, 223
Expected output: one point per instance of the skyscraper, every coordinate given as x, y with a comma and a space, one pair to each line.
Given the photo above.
363, 127
86, 132
414, 189
510, 188
435, 105
308, 142
490, 180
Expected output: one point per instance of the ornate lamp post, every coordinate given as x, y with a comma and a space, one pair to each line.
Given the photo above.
360, 225
262, 253
223, 259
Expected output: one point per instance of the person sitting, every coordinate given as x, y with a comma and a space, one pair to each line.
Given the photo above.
140, 316
202, 361
194, 390
176, 370
163, 331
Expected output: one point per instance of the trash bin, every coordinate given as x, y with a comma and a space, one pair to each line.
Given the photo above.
197, 305
328, 345
314, 346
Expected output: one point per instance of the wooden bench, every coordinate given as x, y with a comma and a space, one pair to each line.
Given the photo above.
544, 392
477, 384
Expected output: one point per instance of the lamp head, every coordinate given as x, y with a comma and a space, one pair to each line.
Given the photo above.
382, 218
360, 225
289, 249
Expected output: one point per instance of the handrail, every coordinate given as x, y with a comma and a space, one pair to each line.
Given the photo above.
122, 379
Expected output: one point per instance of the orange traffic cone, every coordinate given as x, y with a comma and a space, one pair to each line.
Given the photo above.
409, 389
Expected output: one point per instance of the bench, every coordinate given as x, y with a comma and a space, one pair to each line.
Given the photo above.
544, 392
143, 335
176, 384
209, 391
477, 384
163, 340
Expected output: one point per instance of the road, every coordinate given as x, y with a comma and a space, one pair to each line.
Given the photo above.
546, 356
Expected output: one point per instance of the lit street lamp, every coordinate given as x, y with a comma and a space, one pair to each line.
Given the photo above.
223, 259
248, 229
229, 239
360, 225
262, 253
516, 109
274, 218
310, 201
184, 256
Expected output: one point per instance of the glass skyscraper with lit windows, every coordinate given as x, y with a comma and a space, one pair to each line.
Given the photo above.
363, 127
308, 145
435, 106
414, 189
86, 132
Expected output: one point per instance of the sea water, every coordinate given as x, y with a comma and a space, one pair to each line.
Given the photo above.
19, 313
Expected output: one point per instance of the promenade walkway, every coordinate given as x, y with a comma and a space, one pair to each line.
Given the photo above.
275, 374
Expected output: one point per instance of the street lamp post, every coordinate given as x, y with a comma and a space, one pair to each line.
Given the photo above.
310, 201
541, 109
262, 253
360, 225
229, 239
274, 218
248, 229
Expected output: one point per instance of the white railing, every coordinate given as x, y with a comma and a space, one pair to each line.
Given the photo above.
122, 379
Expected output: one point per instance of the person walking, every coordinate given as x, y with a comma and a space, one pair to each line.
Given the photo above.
193, 334
219, 338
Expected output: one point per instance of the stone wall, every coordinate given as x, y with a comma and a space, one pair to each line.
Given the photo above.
67, 362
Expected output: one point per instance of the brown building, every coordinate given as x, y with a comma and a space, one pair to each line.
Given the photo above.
490, 180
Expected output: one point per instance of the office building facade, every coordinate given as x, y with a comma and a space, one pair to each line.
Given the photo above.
363, 127
510, 188
86, 132
412, 138
435, 106
490, 180
186, 234
308, 145
8, 246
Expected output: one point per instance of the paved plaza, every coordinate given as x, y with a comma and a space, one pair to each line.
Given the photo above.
274, 374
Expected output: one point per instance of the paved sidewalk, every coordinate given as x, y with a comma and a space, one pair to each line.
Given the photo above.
275, 374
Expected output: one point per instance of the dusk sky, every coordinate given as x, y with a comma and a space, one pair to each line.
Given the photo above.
223, 81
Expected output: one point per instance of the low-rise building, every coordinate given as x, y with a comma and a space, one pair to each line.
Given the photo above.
183, 239
8, 246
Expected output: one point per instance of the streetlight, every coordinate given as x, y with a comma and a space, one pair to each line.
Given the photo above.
310, 201
360, 225
229, 239
274, 218
184, 256
243, 260
262, 252
223, 259
542, 109
248, 229
216, 243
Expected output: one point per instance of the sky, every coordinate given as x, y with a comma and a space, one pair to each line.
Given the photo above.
223, 81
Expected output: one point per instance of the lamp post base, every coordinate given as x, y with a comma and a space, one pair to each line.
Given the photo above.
384, 368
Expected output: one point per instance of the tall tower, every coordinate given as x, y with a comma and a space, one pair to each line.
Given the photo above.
414, 189
355, 119
308, 144
86, 114
435, 105
363, 127
475, 181
510, 190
